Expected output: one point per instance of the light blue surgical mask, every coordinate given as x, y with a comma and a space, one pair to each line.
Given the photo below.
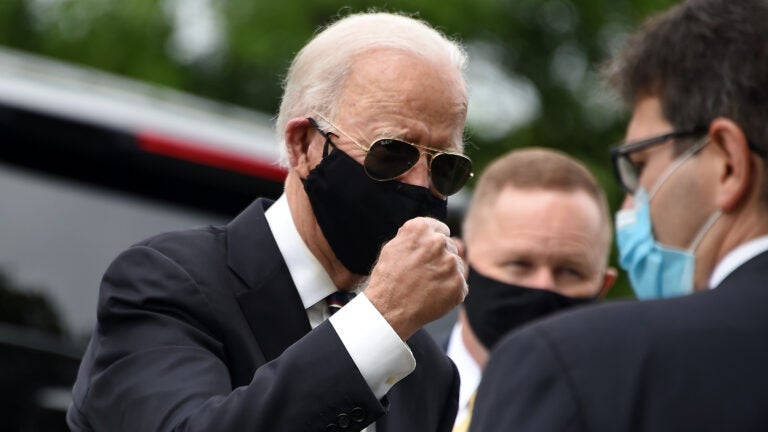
656, 271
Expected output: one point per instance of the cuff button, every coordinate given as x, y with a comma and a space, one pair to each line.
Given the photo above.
343, 420
358, 415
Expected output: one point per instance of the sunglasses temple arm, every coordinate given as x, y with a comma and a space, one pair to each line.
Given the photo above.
326, 135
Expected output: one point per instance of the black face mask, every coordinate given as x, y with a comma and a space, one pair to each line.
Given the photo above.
494, 308
358, 214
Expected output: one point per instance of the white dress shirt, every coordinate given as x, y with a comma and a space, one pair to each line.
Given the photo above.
735, 258
378, 352
469, 371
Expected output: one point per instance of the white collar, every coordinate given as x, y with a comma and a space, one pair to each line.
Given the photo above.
735, 258
469, 371
309, 276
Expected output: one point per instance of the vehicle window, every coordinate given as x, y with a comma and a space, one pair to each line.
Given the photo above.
58, 236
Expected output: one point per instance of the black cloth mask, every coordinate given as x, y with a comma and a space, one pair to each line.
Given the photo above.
494, 308
357, 214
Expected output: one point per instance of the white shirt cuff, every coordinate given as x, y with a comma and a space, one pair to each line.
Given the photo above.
378, 352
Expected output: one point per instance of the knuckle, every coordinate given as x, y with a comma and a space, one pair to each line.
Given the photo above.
409, 223
436, 238
413, 225
442, 227
448, 264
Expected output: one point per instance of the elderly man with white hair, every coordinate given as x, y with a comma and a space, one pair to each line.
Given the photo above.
229, 328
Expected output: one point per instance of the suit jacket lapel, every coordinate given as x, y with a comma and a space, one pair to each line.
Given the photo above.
271, 304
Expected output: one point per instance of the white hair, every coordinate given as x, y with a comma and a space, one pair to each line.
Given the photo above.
318, 72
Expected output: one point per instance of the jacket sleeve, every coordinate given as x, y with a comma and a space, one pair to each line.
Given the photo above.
526, 387
156, 363
451, 406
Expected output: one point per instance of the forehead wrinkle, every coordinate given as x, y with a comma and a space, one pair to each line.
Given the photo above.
358, 135
412, 94
553, 244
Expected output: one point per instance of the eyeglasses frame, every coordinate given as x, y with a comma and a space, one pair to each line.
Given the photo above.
622, 151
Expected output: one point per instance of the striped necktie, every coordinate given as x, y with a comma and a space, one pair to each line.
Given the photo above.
337, 300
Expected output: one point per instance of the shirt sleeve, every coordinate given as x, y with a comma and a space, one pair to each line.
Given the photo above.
381, 356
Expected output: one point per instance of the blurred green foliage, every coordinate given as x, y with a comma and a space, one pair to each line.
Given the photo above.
536, 39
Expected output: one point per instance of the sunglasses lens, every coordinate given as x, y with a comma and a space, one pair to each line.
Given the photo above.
388, 159
450, 172
627, 173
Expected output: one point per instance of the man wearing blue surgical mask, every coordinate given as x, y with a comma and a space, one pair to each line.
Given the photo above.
692, 233
655, 270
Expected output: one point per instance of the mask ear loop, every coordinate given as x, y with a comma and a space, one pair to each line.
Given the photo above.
704, 230
327, 142
326, 135
672, 168
668, 172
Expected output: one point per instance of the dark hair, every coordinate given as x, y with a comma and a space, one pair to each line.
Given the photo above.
703, 59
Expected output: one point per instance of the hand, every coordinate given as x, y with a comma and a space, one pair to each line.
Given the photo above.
462, 252
419, 276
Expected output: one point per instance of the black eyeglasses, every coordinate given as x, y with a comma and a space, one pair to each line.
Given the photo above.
389, 158
627, 172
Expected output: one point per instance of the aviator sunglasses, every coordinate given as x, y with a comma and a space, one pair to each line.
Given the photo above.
389, 158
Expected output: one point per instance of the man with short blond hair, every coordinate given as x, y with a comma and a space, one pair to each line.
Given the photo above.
538, 236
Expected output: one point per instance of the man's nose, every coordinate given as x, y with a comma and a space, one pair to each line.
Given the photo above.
418, 175
542, 278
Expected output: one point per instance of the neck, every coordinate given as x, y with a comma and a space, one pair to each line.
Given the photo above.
312, 235
475, 348
734, 230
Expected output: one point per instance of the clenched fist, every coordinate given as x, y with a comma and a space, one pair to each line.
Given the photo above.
419, 277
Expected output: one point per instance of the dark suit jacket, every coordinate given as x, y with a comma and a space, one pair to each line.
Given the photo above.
204, 330
694, 363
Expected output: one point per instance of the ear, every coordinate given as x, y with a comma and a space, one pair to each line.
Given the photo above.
734, 169
298, 137
609, 278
